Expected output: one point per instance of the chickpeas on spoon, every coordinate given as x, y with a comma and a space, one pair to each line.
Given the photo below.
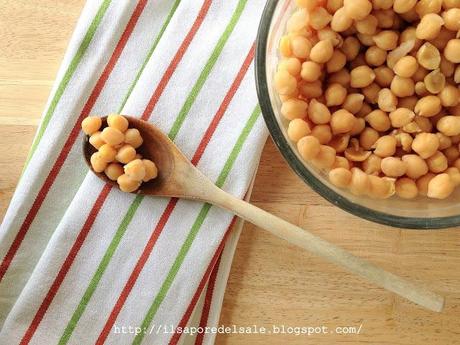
178, 177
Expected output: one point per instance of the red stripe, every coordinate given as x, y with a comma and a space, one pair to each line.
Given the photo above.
208, 301
198, 154
137, 270
224, 105
175, 61
210, 270
70, 141
66, 266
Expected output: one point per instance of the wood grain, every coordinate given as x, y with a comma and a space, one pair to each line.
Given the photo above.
271, 282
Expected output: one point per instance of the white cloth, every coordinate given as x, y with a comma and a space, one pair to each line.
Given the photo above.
76, 243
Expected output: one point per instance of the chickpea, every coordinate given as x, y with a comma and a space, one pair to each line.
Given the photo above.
95, 140
428, 106
126, 154
387, 101
382, 4
424, 7
408, 102
368, 25
107, 153
393, 167
118, 121
319, 18
435, 81
404, 141
311, 71
366, 40
358, 62
294, 109
378, 120
371, 165
422, 183
333, 5
386, 39
323, 133
301, 47
375, 56
341, 77
91, 125
421, 90
428, 56
340, 177
98, 163
151, 170
401, 117
133, 137
385, 146
358, 127
337, 62
449, 125
371, 93
368, 138
402, 87
135, 169
318, 113
365, 110
292, 65
451, 153
383, 76
381, 188
335, 95
424, 124
298, 21
420, 74
359, 184
322, 51
450, 96
457, 164
297, 129
341, 162
437, 163
308, 4
113, 171
285, 46
429, 27
325, 158
342, 121
457, 74
440, 187
452, 50
311, 90
340, 143
416, 166
386, 18
341, 21
425, 144
362, 76
112, 136
403, 6
350, 48
308, 147
353, 102
454, 175
357, 9
328, 34
127, 184
444, 141
406, 188
285, 83
448, 4
406, 67
452, 19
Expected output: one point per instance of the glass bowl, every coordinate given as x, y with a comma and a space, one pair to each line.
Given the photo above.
419, 213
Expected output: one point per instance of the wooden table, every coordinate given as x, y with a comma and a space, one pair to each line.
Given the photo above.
271, 283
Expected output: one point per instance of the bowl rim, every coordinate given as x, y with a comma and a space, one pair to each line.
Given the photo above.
300, 169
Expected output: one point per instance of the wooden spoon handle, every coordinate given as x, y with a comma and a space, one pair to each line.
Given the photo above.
304, 239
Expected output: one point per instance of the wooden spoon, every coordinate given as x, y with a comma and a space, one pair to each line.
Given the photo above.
179, 178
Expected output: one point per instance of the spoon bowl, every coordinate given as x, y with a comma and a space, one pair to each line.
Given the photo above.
178, 177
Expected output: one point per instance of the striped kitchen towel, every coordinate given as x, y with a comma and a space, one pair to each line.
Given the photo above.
83, 263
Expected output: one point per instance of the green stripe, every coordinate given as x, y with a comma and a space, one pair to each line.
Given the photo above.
207, 69
67, 76
100, 271
195, 228
128, 216
152, 49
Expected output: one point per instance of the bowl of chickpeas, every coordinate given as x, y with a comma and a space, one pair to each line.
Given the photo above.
362, 99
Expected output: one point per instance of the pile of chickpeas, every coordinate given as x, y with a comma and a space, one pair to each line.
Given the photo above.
116, 154
370, 89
